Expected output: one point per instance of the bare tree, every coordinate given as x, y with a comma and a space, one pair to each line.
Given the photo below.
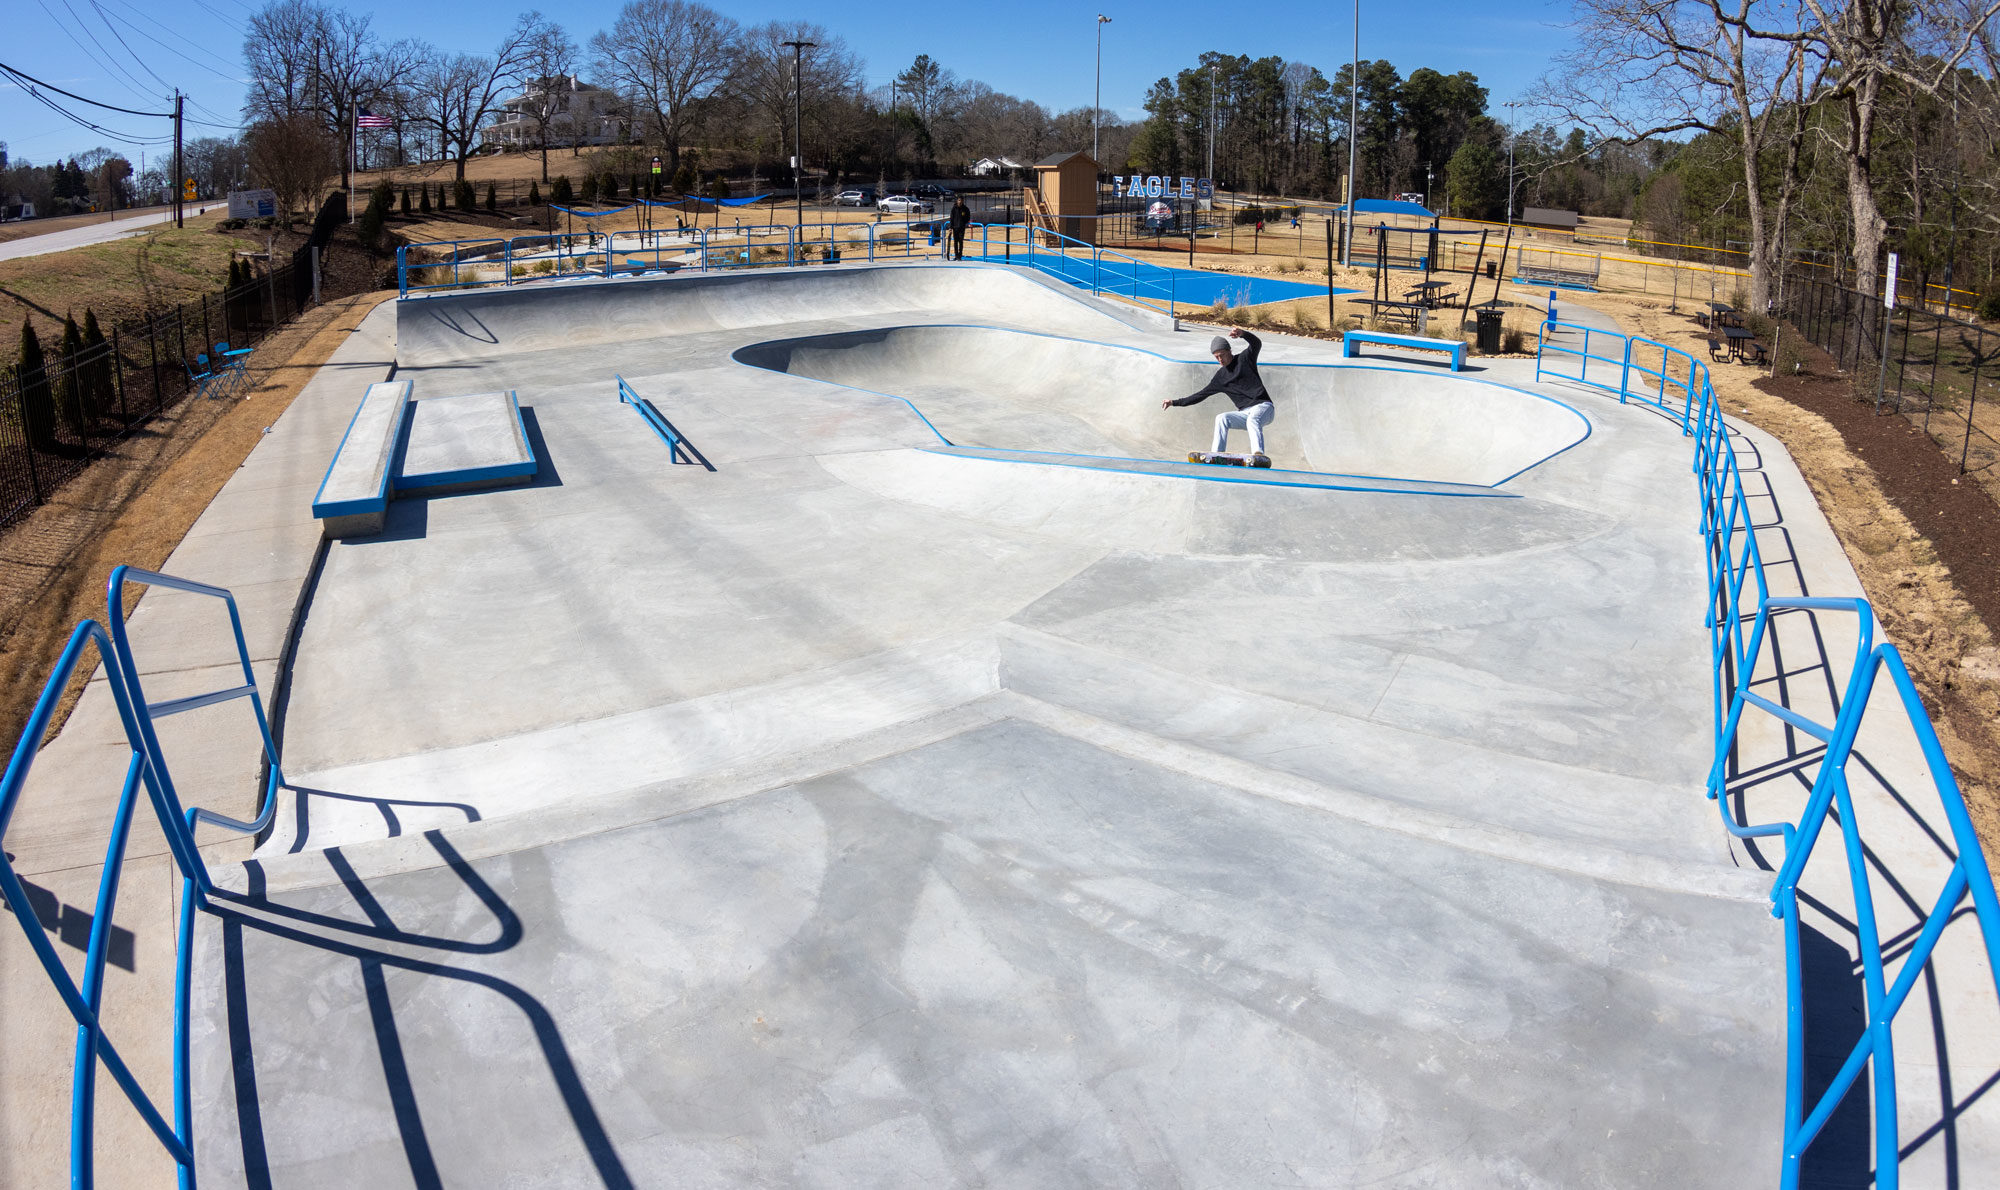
761, 80
549, 65
293, 156
667, 57
1918, 43
306, 57
455, 95
1647, 68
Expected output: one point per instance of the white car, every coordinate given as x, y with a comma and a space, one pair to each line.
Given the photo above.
896, 204
851, 198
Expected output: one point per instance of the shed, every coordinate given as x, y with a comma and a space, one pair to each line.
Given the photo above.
1067, 186
1548, 217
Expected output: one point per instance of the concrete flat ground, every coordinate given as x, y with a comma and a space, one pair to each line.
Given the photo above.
852, 809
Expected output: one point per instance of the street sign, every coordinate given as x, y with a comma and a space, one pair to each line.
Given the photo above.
656, 165
253, 204
187, 190
1889, 290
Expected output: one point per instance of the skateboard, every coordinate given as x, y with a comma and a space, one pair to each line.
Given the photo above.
1202, 456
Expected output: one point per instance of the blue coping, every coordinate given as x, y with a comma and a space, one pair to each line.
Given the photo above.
1193, 287
1270, 477
1430, 487
469, 475
379, 500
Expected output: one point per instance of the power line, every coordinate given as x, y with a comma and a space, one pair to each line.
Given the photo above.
122, 44
97, 128
129, 12
103, 56
26, 77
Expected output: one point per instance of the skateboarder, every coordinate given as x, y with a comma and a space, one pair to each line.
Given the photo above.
961, 218
1238, 380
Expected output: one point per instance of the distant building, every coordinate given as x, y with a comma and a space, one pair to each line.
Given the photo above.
579, 114
987, 167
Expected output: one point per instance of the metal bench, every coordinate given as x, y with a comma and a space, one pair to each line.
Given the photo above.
1550, 275
1350, 344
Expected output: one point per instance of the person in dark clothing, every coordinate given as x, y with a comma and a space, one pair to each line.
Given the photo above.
1238, 380
961, 218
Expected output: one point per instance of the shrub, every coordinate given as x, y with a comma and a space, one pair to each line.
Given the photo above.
443, 204
1989, 307
33, 377
463, 197
1739, 299
519, 270
545, 267
1513, 341
424, 199
99, 390
405, 206
534, 195
231, 224
589, 194
1308, 318
559, 191
492, 198
69, 386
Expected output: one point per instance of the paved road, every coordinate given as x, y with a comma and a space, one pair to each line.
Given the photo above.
95, 233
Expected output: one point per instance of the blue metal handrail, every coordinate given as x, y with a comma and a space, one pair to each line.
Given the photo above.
1738, 591
84, 1002
654, 421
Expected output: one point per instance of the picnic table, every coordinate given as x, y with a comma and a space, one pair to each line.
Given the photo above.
1724, 314
1741, 339
1406, 313
1426, 294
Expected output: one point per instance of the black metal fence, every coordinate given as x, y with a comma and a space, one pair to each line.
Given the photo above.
56, 419
1937, 371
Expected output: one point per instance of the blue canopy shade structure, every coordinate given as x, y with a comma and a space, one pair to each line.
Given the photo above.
696, 200
591, 214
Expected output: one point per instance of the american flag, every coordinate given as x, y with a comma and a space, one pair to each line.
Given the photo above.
368, 119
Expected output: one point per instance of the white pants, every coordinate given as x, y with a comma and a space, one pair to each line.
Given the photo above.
1253, 419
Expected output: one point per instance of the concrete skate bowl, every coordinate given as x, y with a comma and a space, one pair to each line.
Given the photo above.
1047, 398
448, 328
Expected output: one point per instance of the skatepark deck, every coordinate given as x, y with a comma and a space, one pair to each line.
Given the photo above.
864, 811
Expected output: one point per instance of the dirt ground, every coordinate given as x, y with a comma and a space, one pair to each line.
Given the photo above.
1925, 544
137, 505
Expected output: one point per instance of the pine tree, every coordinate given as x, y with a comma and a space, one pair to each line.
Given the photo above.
467, 200
589, 194
443, 205
424, 199
99, 390
405, 208
492, 198
69, 385
34, 380
534, 194
560, 192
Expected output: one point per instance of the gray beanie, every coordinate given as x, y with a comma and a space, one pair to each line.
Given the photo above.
1218, 344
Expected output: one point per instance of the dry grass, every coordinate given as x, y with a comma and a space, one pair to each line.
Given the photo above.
22, 229
122, 279
135, 506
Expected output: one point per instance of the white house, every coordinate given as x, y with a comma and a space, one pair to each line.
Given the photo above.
987, 167
579, 114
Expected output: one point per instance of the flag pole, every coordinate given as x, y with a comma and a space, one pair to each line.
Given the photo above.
353, 138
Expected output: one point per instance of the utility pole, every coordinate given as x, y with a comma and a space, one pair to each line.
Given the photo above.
798, 130
178, 167
1211, 125
1510, 105
1353, 136
1097, 102
1427, 183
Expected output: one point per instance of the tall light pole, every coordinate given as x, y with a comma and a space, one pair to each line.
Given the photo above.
1097, 101
1211, 125
1353, 136
1510, 105
798, 130
1427, 183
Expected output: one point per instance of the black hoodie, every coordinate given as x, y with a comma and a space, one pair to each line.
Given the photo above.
1237, 380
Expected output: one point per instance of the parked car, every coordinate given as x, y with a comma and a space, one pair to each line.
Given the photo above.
903, 204
930, 191
851, 198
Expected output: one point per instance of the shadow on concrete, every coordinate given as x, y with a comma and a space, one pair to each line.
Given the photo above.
375, 965
386, 806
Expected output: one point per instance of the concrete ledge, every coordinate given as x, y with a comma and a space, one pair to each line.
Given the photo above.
465, 443
353, 499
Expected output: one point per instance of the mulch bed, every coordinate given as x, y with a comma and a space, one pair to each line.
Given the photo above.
1961, 521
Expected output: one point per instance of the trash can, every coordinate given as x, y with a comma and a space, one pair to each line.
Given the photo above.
1489, 331
1492, 269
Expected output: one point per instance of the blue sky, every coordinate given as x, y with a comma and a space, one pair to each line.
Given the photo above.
1038, 49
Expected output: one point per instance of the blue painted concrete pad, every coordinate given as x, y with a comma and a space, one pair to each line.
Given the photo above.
1152, 282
